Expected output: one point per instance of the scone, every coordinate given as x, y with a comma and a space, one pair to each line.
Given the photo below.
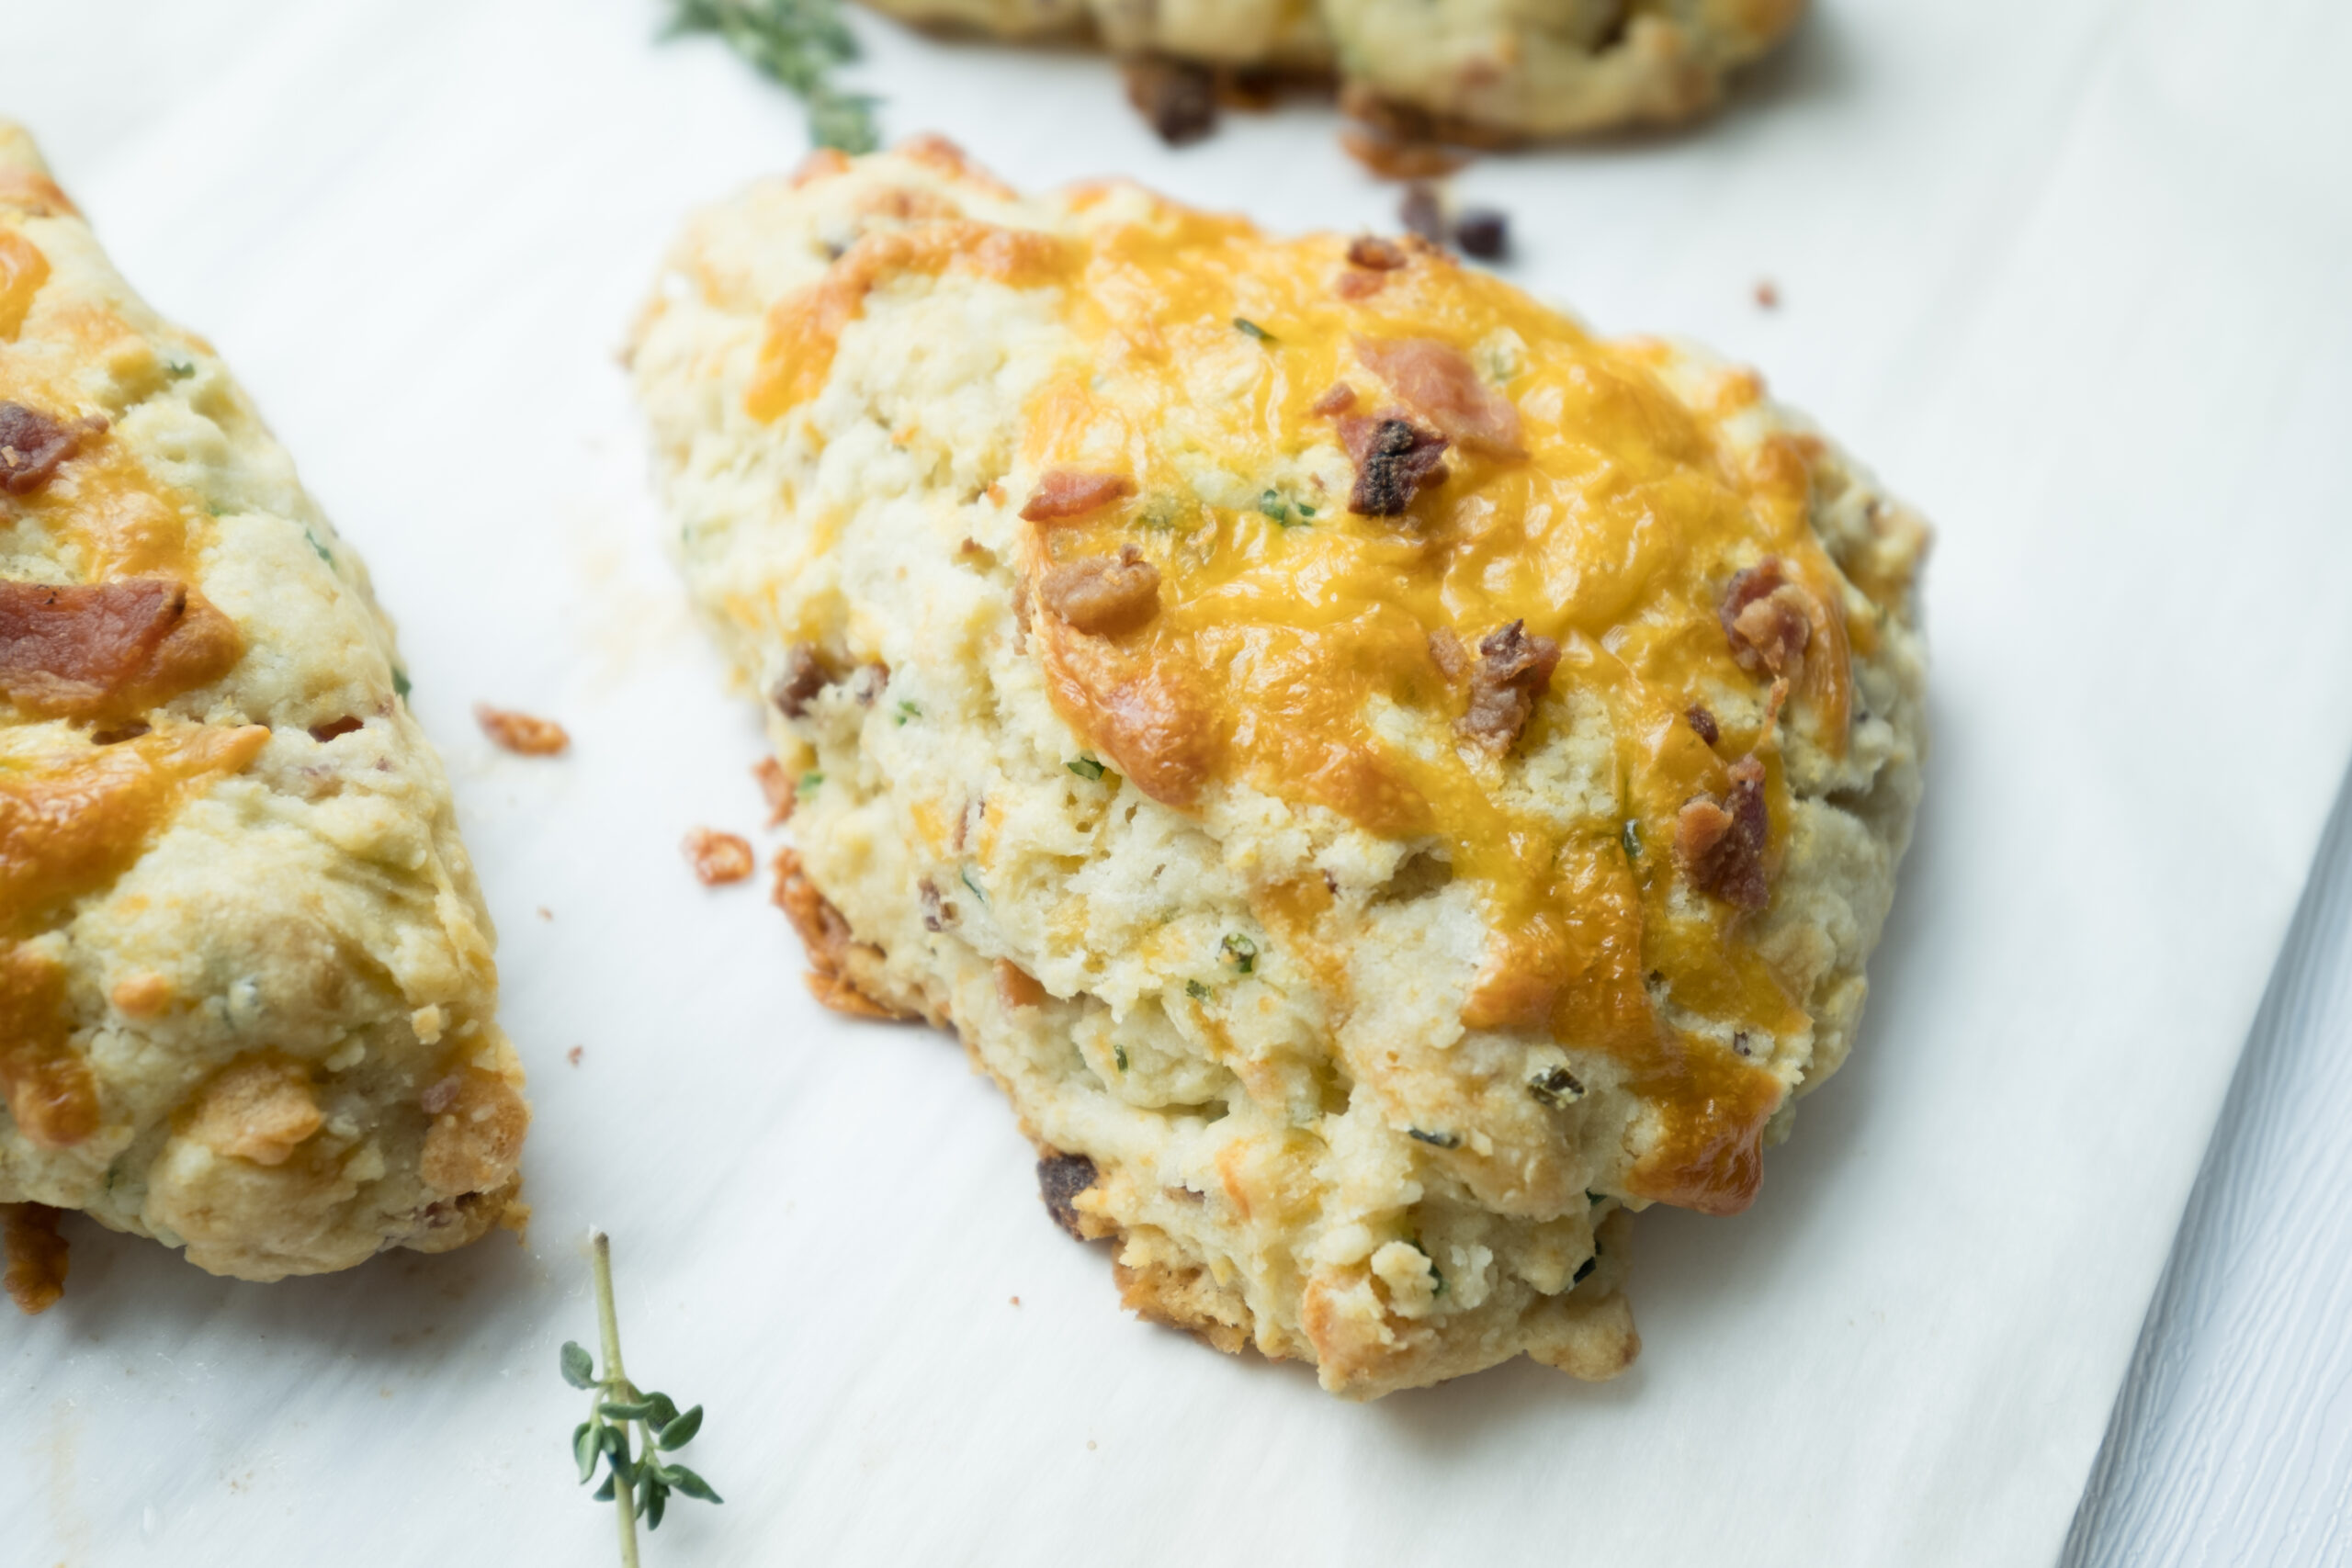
1387, 781
246, 991
1479, 69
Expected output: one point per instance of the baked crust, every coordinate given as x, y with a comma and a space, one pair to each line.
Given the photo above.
246, 989
1392, 780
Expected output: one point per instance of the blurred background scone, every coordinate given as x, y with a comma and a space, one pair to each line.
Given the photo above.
246, 988
1387, 781
1482, 70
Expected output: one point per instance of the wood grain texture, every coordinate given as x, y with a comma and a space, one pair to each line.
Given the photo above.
2233, 1441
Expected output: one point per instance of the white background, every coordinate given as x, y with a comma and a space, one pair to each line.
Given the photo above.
2072, 276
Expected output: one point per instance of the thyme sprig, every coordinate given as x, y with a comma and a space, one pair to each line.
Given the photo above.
799, 42
641, 1480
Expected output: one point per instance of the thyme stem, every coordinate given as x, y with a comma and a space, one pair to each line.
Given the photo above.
608, 1321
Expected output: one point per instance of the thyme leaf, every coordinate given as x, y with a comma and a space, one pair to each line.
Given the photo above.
636, 1479
798, 43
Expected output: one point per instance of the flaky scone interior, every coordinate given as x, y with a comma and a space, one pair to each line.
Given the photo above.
247, 989
1387, 781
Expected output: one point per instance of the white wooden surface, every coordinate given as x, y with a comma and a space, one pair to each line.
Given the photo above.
2233, 1441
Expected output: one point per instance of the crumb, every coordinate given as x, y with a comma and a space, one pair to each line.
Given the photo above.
1483, 233
1387, 158
1767, 295
546, 913
1423, 213
1016, 1301
572, 1056
1177, 98
776, 786
36, 1253
520, 733
1089, 1444
717, 857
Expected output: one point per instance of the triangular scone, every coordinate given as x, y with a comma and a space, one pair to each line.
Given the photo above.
1387, 781
246, 991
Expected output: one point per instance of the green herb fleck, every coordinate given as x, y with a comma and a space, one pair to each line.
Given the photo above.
1439, 1275
1195, 990
799, 42
1119, 1055
179, 369
1271, 504
974, 887
1304, 510
1630, 837
1439, 1140
639, 1478
908, 709
1587, 1266
1253, 329
401, 686
316, 548
1085, 767
809, 781
1241, 953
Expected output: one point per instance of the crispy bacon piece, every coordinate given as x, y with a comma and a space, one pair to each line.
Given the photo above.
1355, 283
1386, 157
1395, 458
1768, 617
33, 445
78, 650
1446, 652
1513, 671
1336, 399
1067, 493
1437, 382
1370, 252
35, 1254
1060, 1178
1104, 595
777, 787
1703, 722
1720, 842
804, 676
717, 858
521, 733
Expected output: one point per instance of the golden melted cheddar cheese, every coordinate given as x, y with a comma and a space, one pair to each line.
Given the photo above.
222, 838
1455, 746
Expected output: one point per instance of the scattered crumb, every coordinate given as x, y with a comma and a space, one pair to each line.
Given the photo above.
1016, 1301
1176, 98
35, 1278
1767, 294
1389, 158
717, 857
1483, 233
520, 733
775, 787
1423, 213
572, 1056
1090, 1443
546, 913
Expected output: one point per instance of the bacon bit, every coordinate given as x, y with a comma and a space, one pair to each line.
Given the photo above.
1446, 653
1104, 595
1483, 233
1065, 492
1176, 98
1395, 459
831, 946
1437, 381
1376, 254
1703, 722
520, 733
1387, 158
1720, 842
776, 786
717, 858
81, 649
33, 445
938, 914
322, 733
804, 676
1338, 399
1767, 618
1061, 1179
1016, 987
867, 681
573, 1055
1355, 283
1514, 670
36, 1253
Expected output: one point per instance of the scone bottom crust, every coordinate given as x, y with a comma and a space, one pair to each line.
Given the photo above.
1391, 781
246, 998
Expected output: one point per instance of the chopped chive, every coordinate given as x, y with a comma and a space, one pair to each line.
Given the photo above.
1271, 503
809, 781
1304, 510
1245, 325
906, 710
1241, 953
1583, 1268
1439, 1140
1085, 767
1119, 1055
1630, 837
316, 548
179, 369
1195, 990
966, 874
400, 681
